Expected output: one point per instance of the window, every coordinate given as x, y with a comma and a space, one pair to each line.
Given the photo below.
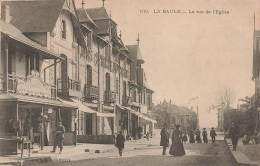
107, 81
117, 86
63, 29
89, 75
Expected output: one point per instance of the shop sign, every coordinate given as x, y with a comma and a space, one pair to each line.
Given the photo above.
34, 86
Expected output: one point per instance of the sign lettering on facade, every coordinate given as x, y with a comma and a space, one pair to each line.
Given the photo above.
34, 86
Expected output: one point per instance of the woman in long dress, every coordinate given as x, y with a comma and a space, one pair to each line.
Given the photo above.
177, 148
191, 134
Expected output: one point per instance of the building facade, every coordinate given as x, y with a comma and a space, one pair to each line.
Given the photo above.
70, 65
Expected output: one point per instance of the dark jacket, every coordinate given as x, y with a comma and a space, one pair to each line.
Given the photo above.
234, 132
120, 141
60, 131
164, 137
213, 133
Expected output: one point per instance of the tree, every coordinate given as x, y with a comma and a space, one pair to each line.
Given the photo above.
225, 97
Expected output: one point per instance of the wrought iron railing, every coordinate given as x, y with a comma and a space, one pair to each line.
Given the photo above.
110, 97
91, 92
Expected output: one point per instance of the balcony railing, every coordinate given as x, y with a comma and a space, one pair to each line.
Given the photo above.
126, 100
110, 97
69, 87
18, 84
91, 92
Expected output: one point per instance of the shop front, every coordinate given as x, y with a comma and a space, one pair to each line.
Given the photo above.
21, 114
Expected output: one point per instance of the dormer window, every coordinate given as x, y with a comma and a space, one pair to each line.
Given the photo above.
63, 30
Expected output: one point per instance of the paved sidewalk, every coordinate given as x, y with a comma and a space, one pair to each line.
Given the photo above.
70, 153
243, 156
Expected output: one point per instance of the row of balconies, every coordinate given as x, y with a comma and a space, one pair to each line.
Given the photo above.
67, 87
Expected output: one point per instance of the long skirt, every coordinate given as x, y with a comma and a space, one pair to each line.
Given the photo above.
192, 140
177, 148
198, 139
205, 139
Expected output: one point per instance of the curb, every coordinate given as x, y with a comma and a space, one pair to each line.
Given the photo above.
238, 163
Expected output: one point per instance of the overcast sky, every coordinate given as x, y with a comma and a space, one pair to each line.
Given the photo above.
188, 55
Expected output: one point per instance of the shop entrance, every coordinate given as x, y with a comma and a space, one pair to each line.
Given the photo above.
88, 124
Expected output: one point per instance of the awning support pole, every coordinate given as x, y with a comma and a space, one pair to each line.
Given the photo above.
6, 66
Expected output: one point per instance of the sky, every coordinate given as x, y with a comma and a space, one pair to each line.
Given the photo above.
188, 55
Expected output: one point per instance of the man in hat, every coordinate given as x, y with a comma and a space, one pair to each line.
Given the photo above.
234, 134
164, 138
59, 139
213, 134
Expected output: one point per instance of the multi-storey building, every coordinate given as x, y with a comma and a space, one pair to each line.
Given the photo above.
69, 64
32, 48
256, 69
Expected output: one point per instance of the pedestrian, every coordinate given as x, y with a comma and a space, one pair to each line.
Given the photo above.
120, 142
191, 134
28, 131
198, 139
234, 134
147, 136
213, 134
59, 138
164, 138
205, 135
177, 148
184, 138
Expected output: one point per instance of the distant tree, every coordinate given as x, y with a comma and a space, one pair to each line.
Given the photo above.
193, 121
225, 97
243, 119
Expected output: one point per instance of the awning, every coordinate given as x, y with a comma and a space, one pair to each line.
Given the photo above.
120, 106
103, 114
34, 100
77, 104
141, 115
15, 34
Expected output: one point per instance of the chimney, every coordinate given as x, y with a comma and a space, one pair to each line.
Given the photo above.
5, 13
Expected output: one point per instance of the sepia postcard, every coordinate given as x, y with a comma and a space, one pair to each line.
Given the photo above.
130, 82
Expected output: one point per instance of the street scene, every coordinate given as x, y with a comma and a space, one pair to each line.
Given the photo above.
109, 82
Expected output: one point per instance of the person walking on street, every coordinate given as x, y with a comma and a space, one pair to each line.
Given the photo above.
198, 139
213, 134
177, 148
120, 142
59, 139
205, 135
234, 135
191, 135
164, 138
147, 136
184, 138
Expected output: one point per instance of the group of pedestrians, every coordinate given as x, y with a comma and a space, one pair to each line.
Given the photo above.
197, 133
176, 148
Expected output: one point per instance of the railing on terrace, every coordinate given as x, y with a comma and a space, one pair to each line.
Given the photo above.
110, 97
13, 86
91, 92
68, 86
126, 100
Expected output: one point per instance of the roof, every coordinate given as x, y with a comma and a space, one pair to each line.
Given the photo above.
34, 100
17, 35
135, 52
31, 16
104, 27
83, 16
78, 104
98, 13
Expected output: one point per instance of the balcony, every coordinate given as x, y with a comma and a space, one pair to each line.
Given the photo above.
110, 97
91, 92
69, 87
126, 100
31, 85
